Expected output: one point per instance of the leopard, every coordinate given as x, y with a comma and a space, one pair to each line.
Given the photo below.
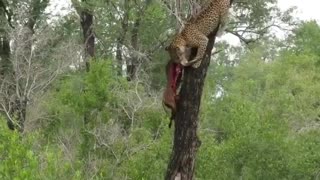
195, 31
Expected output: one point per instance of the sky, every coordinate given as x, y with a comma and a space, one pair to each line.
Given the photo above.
307, 9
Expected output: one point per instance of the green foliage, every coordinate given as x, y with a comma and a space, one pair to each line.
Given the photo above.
305, 160
154, 155
259, 116
22, 159
306, 38
265, 126
121, 122
94, 90
253, 147
17, 159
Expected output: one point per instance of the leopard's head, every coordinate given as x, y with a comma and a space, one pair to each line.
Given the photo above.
177, 53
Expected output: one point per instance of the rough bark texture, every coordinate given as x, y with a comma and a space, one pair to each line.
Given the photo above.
186, 141
88, 36
21, 112
5, 63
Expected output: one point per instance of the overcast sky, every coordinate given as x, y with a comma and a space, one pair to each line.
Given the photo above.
307, 9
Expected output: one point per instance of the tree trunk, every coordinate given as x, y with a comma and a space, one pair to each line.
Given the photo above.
6, 72
122, 36
86, 22
186, 141
88, 41
132, 63
21, 112
5, 63
88, 36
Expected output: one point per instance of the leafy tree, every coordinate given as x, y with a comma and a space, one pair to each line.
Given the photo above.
265, 110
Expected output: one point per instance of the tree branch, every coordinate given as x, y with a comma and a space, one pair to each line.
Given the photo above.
7, 12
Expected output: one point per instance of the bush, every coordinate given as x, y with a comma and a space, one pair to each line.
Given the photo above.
22, 157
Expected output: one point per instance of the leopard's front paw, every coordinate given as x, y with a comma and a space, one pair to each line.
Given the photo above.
184, 62
196, 64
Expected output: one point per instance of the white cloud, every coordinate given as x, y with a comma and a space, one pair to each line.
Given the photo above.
307, 9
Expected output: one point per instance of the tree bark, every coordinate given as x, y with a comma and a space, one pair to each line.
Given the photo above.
21, 112
6, 71
86, 22
132, 63
88, 36
186, 141
122, 36
5, 63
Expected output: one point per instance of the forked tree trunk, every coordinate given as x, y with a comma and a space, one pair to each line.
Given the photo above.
186, 141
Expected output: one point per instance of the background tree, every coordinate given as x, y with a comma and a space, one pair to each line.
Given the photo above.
6, 65
30, 73
85, 11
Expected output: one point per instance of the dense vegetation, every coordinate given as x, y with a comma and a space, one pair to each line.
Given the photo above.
260, 112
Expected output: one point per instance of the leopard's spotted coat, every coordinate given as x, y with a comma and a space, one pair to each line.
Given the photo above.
196, 30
